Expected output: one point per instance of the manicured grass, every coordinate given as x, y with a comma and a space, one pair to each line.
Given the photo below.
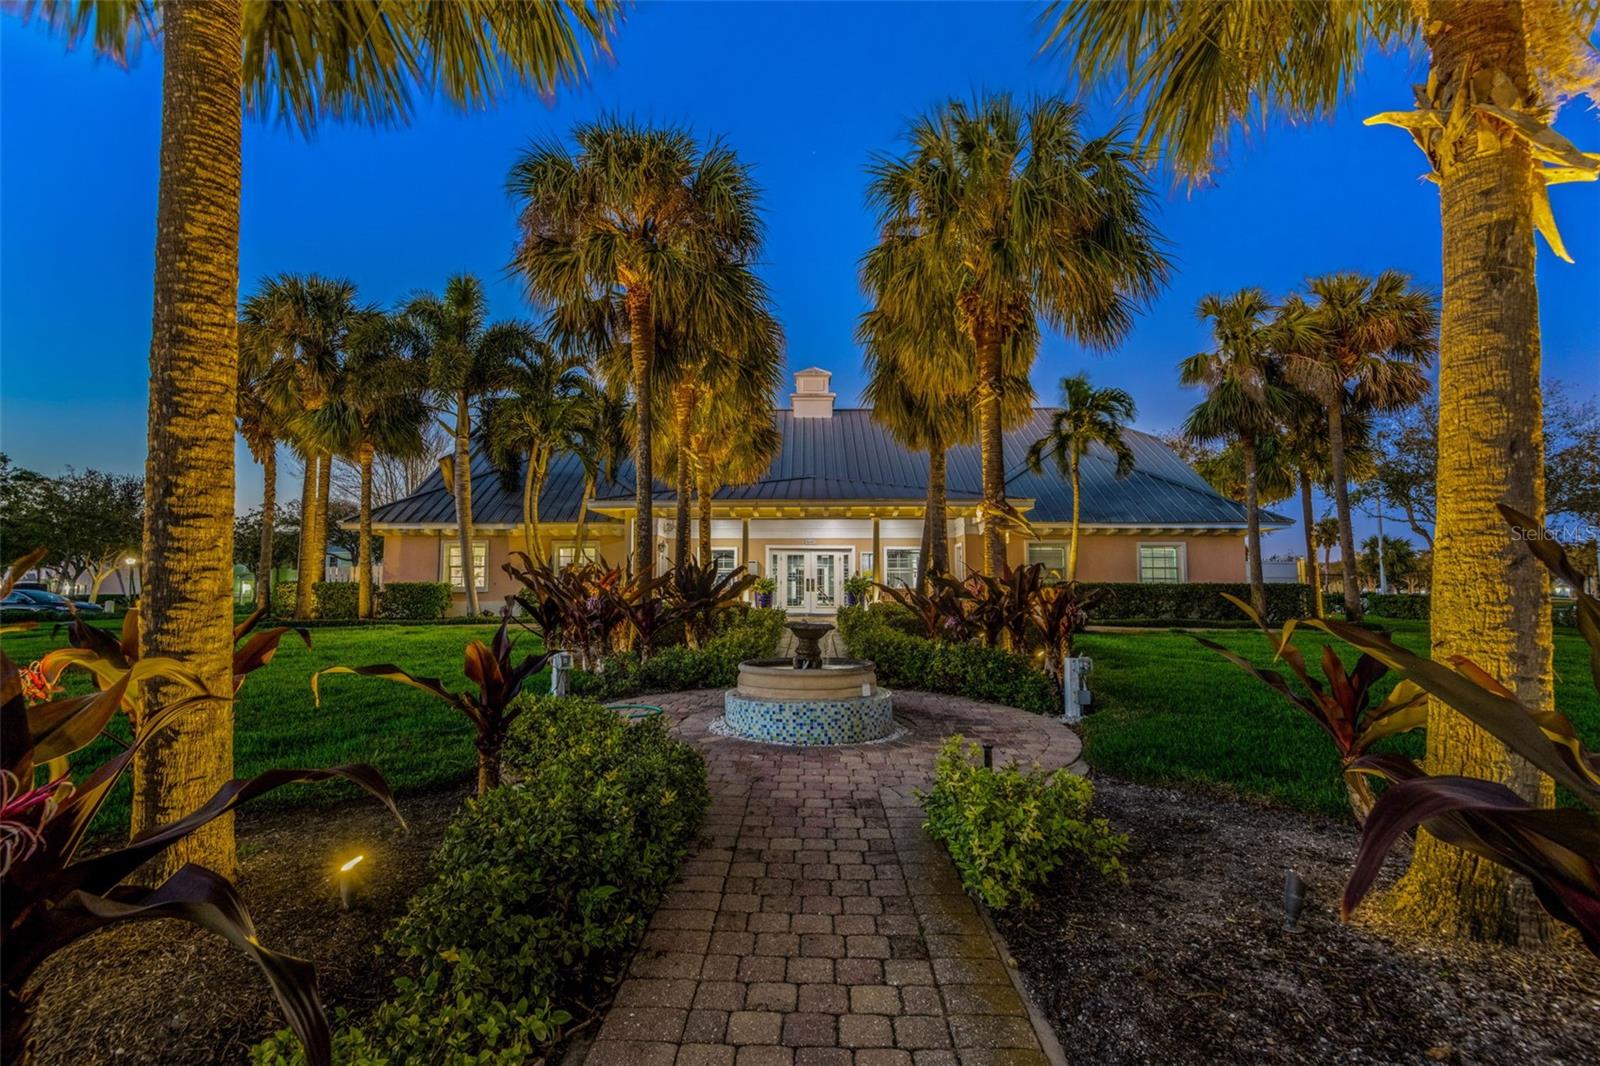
1171, 711
417, 741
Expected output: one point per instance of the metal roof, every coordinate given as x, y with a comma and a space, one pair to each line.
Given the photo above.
850, 457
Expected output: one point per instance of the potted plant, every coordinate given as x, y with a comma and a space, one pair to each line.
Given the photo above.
856, 587
764, 588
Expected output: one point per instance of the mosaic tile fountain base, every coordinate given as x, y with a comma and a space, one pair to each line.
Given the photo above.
847, 721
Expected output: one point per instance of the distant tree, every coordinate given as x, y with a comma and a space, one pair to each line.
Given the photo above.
600, 440
394, 477
1327, 538
1400, 561
26, 521
1572, 458
87, 521
1371, 343
1089, 417
1405, 470
247, 538
1247, 400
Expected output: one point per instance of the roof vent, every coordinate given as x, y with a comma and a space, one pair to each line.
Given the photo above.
811, 396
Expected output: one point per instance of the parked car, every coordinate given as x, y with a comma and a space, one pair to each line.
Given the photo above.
18, 604
51, 602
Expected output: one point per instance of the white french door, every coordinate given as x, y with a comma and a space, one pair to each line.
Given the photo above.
809, 581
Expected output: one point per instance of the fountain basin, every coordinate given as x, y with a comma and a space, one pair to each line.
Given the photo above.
838, 703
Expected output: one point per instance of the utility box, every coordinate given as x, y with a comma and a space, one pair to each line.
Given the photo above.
560, 673
1076, 696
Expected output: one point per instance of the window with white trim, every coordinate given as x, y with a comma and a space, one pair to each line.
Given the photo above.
480, 564
567, 553
901, 567
1160, 563
1053, 556
725, 559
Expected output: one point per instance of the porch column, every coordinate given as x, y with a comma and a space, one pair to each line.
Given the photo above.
877, 554
744, 543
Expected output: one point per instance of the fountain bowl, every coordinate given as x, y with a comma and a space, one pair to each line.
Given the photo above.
838, 702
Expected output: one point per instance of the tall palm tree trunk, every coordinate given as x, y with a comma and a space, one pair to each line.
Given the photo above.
269, 522
1490, 599
364, 539
1252, 519
463, 493
189, 474
938, 525
319, 546
308, 521
583, 518
705, 492
1308, 520
1077, 514
533, 487
642, 329
1341, 501
925, 546
682, 411
992, 451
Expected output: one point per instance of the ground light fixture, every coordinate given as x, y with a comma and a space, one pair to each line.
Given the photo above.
347, 881
1294, 900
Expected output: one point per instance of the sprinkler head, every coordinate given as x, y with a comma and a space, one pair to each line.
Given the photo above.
1294, 899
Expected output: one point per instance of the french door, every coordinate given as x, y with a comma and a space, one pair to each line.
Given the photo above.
809, 581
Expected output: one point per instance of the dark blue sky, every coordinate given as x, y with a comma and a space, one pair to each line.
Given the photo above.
804, 92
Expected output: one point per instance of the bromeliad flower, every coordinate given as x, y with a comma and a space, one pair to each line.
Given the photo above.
37, 685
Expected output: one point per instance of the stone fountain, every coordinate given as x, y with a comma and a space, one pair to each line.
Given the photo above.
808, 699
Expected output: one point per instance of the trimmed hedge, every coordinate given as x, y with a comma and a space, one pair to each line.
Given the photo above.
1198, 601
402, 600
541, 890
1393, 604
754, 635
904, 660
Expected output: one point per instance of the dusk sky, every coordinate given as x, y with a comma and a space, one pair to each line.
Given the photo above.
806, 93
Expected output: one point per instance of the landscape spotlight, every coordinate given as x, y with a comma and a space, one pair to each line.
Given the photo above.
347, 881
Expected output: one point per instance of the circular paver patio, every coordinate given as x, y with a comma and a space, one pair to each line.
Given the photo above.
817, 923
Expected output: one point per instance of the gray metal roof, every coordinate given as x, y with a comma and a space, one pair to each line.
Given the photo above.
850, 457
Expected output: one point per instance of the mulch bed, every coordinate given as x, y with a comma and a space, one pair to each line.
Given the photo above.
164, 992
1189, 963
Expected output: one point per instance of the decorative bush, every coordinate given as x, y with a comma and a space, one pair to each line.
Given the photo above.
1194, 601
336, 599
414, 599
541, 889
905, 661
1395, 604
752, 634
1008, 830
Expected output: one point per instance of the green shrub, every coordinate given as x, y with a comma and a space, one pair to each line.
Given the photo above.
541, 889
1007, 831
911, 662
414, 599
1395, 605
751, 635
336, 599
1198, 601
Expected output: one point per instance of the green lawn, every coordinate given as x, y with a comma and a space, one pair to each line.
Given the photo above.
417, 741
1171, 711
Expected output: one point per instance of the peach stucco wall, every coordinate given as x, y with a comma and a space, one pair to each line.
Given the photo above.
1101, 556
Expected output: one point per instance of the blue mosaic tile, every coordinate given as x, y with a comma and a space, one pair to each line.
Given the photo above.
847, 721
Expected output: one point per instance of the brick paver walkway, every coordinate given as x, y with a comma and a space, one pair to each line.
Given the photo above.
817, 924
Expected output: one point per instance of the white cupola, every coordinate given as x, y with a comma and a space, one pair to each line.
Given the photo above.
811, 398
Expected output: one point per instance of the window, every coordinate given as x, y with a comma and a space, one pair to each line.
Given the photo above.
902, 566
480, 564
566, 553
726, 559
1161, 562
1053, 556
866, 564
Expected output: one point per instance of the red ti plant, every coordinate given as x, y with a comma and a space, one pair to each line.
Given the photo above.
1059, 612
1344, 708
941, 609
1557, 850
575, 608
499, 677
698, 594
1001, 607
49, 897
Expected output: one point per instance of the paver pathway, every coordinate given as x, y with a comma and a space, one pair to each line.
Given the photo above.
817, 923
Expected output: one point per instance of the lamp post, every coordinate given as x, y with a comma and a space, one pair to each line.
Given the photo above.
129, 562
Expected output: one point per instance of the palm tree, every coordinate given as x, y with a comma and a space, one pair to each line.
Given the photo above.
1327, 537
1088, 417
1371, 341
931, 424
1246, 399
656, 231
299, 61
734, 441
380, 409
600, 440
262, 424
294, 329
467, 359
1499, 70
1010, 215
536, 416
1305, 447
